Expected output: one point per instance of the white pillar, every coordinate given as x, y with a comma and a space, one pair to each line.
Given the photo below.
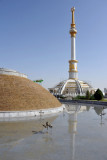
73, 53
73, 73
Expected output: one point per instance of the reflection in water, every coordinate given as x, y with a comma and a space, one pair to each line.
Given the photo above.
39, 132
47, 138
73, 110
100, 112
15, 130
88, 108
30, 140
72, 127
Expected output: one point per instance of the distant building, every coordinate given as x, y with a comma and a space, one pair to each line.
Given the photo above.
105, 91
72, 87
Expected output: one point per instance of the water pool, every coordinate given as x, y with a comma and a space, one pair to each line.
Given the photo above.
78, 133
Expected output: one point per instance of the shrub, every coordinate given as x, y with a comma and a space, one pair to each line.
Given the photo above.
61, 96
92, 97
87, 95
82, 97
79, 97
98, 94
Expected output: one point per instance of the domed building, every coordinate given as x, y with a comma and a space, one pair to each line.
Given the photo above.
72, 86
18, 93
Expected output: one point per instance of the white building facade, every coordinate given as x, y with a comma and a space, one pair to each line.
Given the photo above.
105, 91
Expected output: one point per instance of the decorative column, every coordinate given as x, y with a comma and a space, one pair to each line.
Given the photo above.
73, 73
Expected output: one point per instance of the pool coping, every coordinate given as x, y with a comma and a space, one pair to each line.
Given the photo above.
30, 113
84, 102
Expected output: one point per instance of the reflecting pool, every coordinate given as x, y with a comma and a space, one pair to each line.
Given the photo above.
78, 133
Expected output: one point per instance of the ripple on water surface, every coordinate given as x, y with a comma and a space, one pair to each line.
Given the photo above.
78, 133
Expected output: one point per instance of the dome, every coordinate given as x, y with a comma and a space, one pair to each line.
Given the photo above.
12, 72
72, 87
20, 94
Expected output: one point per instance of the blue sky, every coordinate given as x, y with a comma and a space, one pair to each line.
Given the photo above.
35, 39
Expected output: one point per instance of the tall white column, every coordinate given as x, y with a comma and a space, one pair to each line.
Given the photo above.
73, 73
73, 55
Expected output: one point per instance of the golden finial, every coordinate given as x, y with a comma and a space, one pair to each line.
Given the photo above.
73, 21
72, 9
73, 30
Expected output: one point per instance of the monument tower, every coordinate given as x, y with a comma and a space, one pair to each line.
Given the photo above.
73, 73
72, 86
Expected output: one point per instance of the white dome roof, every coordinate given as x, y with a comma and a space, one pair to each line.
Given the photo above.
71, 86
12, 72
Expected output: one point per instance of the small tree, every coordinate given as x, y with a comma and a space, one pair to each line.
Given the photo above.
88, 95
92, 97
98, 94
